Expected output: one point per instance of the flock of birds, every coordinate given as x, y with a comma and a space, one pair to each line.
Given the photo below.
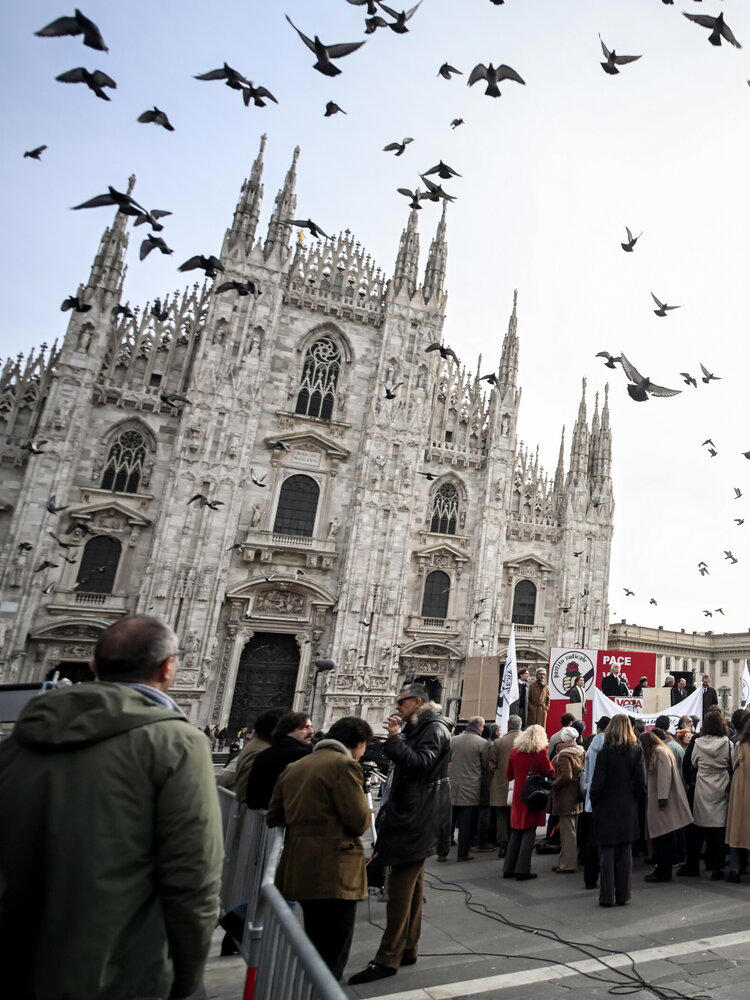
378, 16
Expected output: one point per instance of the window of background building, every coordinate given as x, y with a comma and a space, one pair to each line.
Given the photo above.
98, 567
445, 510
122, 473
724, 667
437, 588
320, 375
524, 603
297, 506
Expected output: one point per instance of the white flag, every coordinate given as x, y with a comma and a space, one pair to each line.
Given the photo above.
745, 687
508, 692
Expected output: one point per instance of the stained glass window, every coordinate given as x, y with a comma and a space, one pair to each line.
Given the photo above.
320, 375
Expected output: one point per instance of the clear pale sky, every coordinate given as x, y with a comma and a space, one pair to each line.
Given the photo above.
552, 174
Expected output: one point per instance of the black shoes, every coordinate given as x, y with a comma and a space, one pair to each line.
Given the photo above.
732, 877
509, 874
686, 872
373, 972
408, 960
525, 877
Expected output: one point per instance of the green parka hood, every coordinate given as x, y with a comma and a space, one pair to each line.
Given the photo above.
85, 714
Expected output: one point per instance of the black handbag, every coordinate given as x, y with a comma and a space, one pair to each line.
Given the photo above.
537, 791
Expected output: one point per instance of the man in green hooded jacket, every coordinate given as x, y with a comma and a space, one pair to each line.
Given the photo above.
110, 838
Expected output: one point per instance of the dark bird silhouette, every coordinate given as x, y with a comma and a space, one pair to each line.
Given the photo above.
399, 24
24, 546
652, 601
315, 230
613, 60
174, 399
429, 476
737, 493
739, 520
78, 24
46, 565
203, 501
708, 614
372, 7
158, 312
373, 23
79, 526
707, 441
278, 446
629, 593
231, 77
150, 218
237, 547
414, 195
718, 27
712, 452
632, 240
745, 454
69, 559
719, 611
663, 307
642, 386
48, 589
127, 205
443, 171
242, 288
62, 544
708, 377
258, 482
689, 380
456, 122
126, 311
703, 570
577, 554
728, 555
210, 265
325, 53
332, 108
611, 361
435, 191
34, 154
153, 243
95, 80
391, 393
156, 117
366, 624
258, 95
34, 447
565, 610
493, 76
398, 147
445, 352
76, 304
446, 70
491, 378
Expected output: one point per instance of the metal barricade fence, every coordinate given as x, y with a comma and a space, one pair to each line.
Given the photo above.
282, 962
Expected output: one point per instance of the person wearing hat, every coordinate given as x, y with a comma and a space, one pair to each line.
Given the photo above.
601, 725
566, 796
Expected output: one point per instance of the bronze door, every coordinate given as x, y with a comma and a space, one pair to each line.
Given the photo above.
266, 678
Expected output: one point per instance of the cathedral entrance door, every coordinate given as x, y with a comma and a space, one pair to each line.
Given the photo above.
266, 678
74, 670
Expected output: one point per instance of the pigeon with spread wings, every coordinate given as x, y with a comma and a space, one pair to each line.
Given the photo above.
78, 24
399, 24
613, 60
493, 75
95, 80
445, 352
631, 242
719, 28
642, 387
325, 53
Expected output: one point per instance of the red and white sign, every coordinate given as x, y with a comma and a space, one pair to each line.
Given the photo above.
633, 665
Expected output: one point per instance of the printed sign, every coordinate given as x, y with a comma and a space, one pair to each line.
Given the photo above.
565, 665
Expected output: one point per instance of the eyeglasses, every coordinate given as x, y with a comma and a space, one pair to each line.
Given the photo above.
409, 697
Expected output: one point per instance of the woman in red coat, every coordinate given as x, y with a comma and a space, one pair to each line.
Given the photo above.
529, 756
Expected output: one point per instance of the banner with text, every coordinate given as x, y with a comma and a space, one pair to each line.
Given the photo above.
692, 705
633, 665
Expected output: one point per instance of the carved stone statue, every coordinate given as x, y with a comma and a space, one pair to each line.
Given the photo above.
233, 445
255, 514
19, 567
333, 527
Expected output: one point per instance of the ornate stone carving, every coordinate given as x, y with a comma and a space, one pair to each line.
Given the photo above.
279, 602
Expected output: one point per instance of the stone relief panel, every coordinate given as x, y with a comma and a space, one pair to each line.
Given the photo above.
279, 602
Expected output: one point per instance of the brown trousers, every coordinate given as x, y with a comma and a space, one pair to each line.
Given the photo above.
403, 914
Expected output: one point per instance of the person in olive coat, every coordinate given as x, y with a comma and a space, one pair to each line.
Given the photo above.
321, 802
617, 788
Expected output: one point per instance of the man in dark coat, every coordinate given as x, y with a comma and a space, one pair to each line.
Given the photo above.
614, 685
407, 826
290, 740
710, 697
679, 692
520, 707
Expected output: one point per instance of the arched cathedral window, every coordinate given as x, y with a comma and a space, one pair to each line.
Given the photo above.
437, 590
320, 375
98, 567
445, 510
124, 467
297, 506
524, 603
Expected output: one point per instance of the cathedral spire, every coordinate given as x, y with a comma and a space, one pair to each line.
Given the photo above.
434, 274
560, 471
108, 270
407, 259
594, 439
579, 449
247, 212
604, 443
508, 372
284, 208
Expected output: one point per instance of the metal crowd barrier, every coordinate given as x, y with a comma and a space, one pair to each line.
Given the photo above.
282, 962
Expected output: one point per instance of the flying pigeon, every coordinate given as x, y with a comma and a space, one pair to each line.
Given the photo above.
203, 501
493, 75
719, 28
689, 380
728, 555
46, 565
491, 378
258, 482
435, 191
34, 447
153, 243
78, 24
629, 593
442, 170
663, 307
75, 303
611, 361
652, 600
446, 69
52, 507
632, 240
315, 230
708, 377
325, 53
158, 312
613, 60
256, 95
737, 493
174, 399
643, 387
95, 80
34, 154
398, 147
230, 76
332, 108
414, 195
391, 393
243, 288
445, 352
399, 25
429, 476
157, 117
210, 265
456, 122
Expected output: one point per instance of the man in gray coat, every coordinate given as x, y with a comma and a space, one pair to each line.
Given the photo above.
468, 760
497, 761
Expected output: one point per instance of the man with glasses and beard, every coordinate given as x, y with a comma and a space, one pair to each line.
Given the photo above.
407, 825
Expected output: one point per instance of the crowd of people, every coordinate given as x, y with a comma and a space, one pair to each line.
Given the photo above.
111, 845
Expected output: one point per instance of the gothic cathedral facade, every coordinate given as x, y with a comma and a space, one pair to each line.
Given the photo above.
393, 536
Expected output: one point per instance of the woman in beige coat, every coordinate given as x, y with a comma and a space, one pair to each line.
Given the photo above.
538, 701
667, 808
710, 766
738, 816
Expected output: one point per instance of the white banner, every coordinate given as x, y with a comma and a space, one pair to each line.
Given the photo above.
508, 692
692, 705
745, 687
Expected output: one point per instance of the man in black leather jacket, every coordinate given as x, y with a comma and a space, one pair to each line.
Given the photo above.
408, 824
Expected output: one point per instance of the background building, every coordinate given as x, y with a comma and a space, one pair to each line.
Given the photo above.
690, 655
329, 539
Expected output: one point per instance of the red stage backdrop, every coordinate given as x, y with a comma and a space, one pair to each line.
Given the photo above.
592, 664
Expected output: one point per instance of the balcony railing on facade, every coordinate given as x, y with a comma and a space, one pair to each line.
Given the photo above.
439, 626
525, 631
83, 600
255, 538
